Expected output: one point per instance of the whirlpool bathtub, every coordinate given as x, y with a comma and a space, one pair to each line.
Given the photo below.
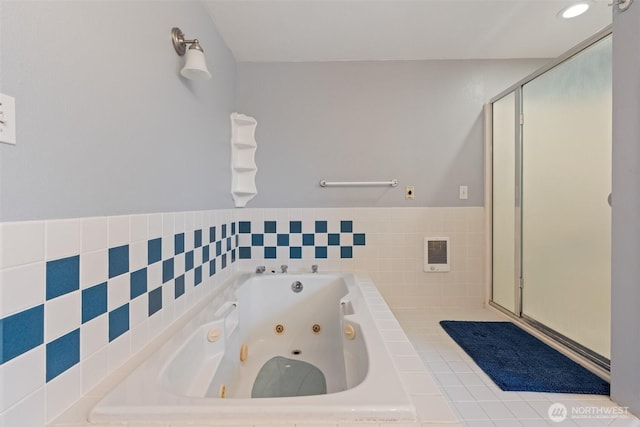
281, 347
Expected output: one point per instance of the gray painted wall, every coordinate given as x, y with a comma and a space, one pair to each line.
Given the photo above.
625, 289
105, 125
417, 121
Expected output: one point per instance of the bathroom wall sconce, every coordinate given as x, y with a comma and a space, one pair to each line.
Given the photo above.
195, 65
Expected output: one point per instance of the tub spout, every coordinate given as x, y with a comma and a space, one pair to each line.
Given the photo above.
314, 268
261, 269
284, 268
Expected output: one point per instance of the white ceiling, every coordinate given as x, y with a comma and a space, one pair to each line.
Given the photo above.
360, 30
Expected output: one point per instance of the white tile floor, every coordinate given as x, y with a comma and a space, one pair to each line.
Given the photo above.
477, 401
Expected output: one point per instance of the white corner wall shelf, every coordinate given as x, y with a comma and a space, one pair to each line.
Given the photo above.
243, 163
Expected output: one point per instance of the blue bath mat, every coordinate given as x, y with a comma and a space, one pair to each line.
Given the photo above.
518, 361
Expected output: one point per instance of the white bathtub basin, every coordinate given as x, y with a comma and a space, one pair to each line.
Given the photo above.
182, 382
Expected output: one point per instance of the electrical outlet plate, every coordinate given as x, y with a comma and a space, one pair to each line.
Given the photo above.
7, 119
410, 193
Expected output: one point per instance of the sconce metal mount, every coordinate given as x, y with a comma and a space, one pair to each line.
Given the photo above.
180, 43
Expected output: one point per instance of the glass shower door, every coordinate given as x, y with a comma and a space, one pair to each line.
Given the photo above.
566, 179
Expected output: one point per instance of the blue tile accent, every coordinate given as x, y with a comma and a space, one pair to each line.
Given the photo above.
358, 239
118, 261
219, 248
346, 252
197, 238
205, 254
94, 302
179, 287
188, 261
63, 276
21, 332
321, 226
245, 227
295, 226
197, 276
212, 234
346, 226
212, 267
308, 239
245, 252
224, 231
167, 270
118, 321
257, 240
62, 354
321, 251
269, 226
155, 301
228, 244
179, 243
154, 250
295, 252
334, 239
283, 240
138, 284
270, 252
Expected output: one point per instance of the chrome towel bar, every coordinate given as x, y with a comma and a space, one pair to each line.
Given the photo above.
325, 183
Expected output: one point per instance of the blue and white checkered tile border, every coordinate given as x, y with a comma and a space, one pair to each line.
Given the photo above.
297, 239
168, 273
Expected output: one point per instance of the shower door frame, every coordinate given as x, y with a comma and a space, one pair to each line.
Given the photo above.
517, 314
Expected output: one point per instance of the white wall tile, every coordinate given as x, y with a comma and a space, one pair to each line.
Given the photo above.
138, 257
21, 288
94, 335
94, 369
94, 268
139, 225
94, 233
155, 226
21, 376
179, 222
62, 315
21, 243
28, 412
62, 392
154, 275
118, 291
168, 247
138, 310
62, 238
118, 230
119, 351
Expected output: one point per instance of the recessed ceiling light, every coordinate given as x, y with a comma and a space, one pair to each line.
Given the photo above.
574, 10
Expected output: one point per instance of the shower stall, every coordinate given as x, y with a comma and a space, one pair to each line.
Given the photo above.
549, 198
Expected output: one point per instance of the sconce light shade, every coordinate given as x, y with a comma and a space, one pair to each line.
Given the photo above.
195, 66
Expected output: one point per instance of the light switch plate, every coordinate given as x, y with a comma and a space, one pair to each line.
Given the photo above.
464, 192
7, 119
